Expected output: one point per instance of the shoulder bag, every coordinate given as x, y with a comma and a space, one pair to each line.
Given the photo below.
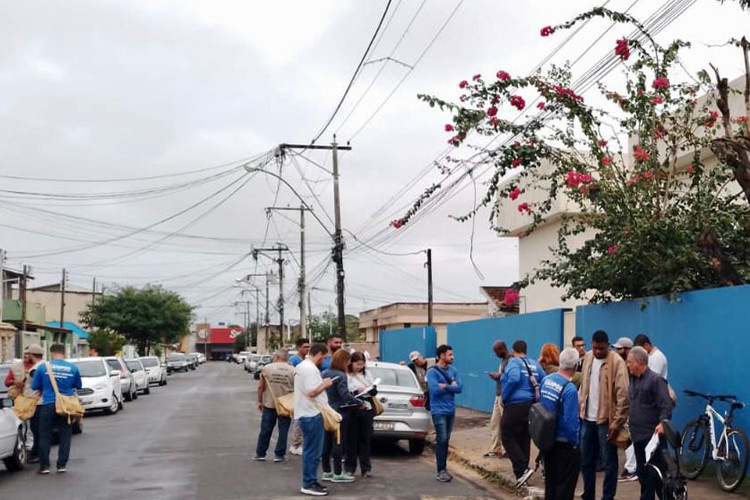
331, 418
65, 406
543, 422
24, 407
284, 405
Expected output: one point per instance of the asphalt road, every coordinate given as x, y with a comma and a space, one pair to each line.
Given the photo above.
193, 439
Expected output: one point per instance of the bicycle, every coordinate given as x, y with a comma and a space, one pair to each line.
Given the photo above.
731, 452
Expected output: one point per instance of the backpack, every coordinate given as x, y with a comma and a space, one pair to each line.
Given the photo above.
543, 423
532, 380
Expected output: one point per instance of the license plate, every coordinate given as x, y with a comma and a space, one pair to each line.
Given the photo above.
383, 426
86, 403
398, 406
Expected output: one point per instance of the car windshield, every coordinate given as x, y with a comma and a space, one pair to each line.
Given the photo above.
150, 362
265, 359
114, 364
93, 368
134, 366
176, 357
255, 357
393, 376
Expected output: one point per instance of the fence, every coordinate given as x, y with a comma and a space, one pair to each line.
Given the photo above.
472, 345
705, 336
395, 345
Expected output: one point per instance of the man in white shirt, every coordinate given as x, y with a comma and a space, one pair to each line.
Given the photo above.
309, 392
657, 361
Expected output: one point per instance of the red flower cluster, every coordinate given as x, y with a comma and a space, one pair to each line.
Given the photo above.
657, 99
494, 121
612, 249
449, 127
492, 111
614, 96
515, 193
648, 174
606, 161
575, 179
524, 207
518, 102
516, 163
511, 297
476, 77
689, 169
622, 50
397, 223
547, 31
660, 83
540, 105
454, 141
602, 143
566, 92
641, 154
502, 75
742, 119
463, 84
711, 120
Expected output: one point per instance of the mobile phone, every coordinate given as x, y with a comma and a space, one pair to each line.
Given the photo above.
335, 378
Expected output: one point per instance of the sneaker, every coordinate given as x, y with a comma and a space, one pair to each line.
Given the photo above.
43, 470
314, 490
280, 459
444, 477
344, 477
295, 450
321, 486
367, 474
259, 459
327, 476
524, 477
61, 469
627, 476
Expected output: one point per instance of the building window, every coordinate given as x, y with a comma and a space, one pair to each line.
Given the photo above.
407, 325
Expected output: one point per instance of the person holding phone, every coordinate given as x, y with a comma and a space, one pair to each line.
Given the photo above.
443, 383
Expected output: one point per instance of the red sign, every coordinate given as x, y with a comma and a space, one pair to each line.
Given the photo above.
224, 335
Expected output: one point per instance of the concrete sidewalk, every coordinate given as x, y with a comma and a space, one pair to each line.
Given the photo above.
470, 441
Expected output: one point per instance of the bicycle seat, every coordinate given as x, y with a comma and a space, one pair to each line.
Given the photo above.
736, 405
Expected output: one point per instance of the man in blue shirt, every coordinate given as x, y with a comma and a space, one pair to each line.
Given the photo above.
443, 383
303, 347
334, 343
68, 379
520, 389
562, 463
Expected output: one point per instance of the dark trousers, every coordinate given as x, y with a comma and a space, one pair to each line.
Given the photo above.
443, 428
594, 444
48, 420
267, 423
34, 428
650, 482
358, 436
562, 464
514, 429
334, 451
312, 447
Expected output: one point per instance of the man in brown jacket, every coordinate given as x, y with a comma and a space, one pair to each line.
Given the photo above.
603, 401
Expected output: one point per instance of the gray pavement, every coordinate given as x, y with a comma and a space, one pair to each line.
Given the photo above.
193, 439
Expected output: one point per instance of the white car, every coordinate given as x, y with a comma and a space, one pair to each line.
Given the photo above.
199, 356
139, 375
251, 362
242, 356
13, 450
157, 374
127, 381
101, 385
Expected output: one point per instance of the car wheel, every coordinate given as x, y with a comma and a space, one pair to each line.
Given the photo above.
114, 407
135, 394
17, 461
416, 446
120, 405
147, 390
77, 426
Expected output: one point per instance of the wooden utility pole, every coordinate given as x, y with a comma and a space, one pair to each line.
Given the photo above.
62, 299
280, 248
22, 293
429, 287
2, 282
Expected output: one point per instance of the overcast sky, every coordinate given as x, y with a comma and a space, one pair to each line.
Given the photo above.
97, 90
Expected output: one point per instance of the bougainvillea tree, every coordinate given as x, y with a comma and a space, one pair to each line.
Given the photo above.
662, 215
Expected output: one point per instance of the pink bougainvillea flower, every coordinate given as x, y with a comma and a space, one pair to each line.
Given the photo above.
463, 98
742, 119
622, 50
518, 102
495, 101
524, 207
511, 297
547, 31
494, 121
398, 223
689, 169
575, 179
566, 92
657, 99
462, 84
660, 83
602, 143
492, 111
606, 161
711, 120
648, 175
449, 127
515, 193
641, 154
476, 77
541, 105
454, 141
516, 163
516, 144
612, 249
503, 75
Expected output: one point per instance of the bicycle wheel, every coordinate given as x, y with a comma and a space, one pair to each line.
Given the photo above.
694, 449
733, 455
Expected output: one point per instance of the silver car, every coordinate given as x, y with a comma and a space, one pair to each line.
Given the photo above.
140, 375
127, 381
157, 373
404, 415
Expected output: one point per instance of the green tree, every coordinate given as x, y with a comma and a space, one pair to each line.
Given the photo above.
321, 326
659, 224
145, 317
106, 343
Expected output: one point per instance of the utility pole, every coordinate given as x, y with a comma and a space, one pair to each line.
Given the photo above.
2, 282
302, 287
62, 299
280, 248
93, 292
429, 287
338, 240
22, 293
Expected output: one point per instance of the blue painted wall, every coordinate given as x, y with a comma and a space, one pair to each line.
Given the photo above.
472, 345
705, 336
395, 345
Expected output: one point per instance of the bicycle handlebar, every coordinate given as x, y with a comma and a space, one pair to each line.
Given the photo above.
727, 398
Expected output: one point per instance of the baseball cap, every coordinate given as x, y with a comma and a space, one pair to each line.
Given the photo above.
35, 349
623, 343
414, 355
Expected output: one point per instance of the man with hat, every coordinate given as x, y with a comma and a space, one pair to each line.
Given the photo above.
623, 347
418, 365
18, 382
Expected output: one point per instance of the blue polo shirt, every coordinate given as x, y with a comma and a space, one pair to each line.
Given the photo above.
566, 406
294, 359
66, 374
442, 401
516, 386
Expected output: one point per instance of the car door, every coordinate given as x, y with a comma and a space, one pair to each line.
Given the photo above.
8, 430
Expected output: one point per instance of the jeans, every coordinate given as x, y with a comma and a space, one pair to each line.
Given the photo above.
312, 447
267, 423
333, 449
562, 464
515, 434
443, 428
358, 436
594, 443
48, 419
648, 478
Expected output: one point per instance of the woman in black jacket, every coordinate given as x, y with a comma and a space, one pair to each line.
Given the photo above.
359, 428
342, 401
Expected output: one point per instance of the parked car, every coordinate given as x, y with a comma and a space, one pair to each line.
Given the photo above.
251, 362
199, 356
4, 369
102, 389
140, 376
193, 360
177, 362
13, 450
263, 361
127, 381
157, 373
404, 415
242, 356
